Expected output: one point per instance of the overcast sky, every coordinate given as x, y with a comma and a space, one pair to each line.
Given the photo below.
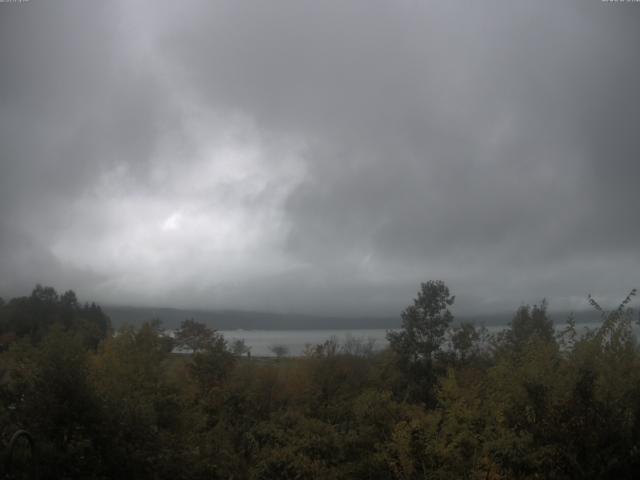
320, 156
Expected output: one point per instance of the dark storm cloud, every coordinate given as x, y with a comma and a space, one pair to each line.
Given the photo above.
443, 136
492, 145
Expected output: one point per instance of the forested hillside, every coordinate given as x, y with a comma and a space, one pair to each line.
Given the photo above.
442, 402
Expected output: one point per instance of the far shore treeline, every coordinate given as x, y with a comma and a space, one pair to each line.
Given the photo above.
253, 320
445, 400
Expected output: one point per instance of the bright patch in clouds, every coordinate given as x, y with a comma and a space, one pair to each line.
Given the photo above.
172, 222
216, 216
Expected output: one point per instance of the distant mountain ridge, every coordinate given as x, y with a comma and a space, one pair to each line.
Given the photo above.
251, 320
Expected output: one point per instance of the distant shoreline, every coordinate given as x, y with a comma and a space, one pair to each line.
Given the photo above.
253, 320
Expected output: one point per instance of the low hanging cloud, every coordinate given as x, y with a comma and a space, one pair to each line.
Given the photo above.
320, 157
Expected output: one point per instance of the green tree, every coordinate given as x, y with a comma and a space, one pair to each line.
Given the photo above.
529, 324
464, 341
53, 399
194, 336
211, 364
424, 325
35, 315
140, 436
240, 348
212, 359
279, 350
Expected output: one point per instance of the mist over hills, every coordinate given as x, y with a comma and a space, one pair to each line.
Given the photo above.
255, 320
248, 320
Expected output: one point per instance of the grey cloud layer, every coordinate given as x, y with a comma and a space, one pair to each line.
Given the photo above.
375, 144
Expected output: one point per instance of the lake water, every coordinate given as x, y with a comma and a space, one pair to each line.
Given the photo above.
296, 341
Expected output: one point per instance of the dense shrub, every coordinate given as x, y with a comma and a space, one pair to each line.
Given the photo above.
445, 401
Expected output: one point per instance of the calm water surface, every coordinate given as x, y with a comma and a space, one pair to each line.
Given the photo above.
296, 341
